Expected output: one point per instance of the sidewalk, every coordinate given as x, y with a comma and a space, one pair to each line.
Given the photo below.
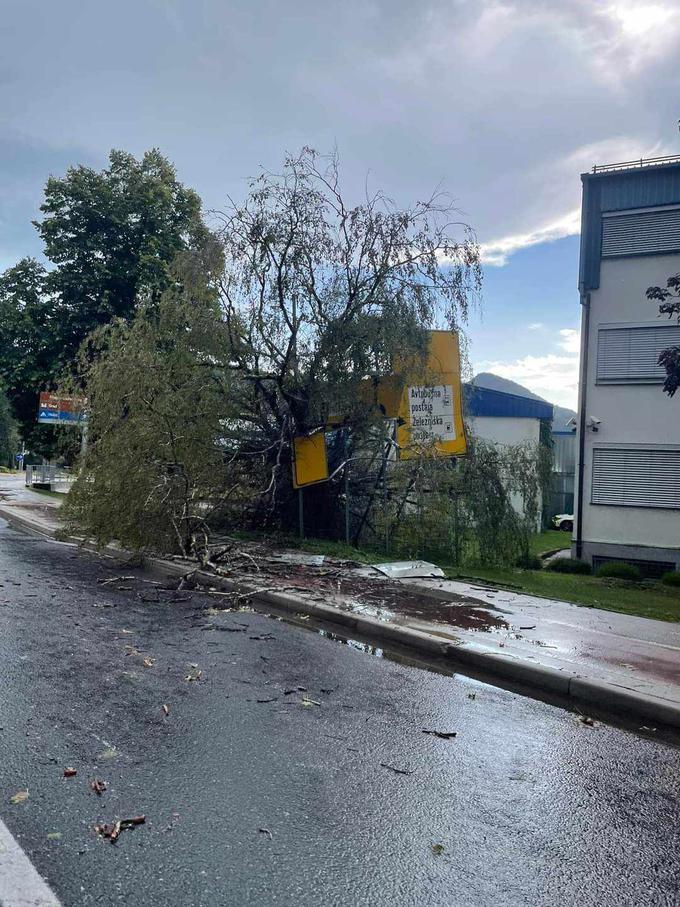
630, 665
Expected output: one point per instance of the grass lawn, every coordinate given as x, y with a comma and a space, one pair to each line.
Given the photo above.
549, 540
641, 599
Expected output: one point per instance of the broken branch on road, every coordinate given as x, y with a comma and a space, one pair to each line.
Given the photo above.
112, 830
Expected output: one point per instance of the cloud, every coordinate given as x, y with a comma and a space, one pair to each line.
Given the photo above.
503, 102
497, 251
571, 340
553, 376
536, 326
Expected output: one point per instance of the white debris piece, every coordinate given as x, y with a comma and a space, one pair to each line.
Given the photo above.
409, 569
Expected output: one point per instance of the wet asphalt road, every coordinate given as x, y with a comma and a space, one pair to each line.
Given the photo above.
531, 806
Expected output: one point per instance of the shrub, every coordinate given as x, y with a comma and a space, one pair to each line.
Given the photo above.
619, 570
671, 578
568, 565
530, 562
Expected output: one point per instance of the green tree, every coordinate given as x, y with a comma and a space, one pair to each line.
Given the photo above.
668, 298
28, 346
111, 236
320, 296
157, 470
8, 433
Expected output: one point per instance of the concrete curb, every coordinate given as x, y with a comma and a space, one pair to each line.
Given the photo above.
578, 690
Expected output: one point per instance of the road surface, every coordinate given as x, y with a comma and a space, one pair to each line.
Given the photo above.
293, 770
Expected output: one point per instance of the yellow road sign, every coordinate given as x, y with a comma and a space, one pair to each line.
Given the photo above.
430, 419
310, 463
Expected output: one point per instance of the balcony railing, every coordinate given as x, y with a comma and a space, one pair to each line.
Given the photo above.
636, 165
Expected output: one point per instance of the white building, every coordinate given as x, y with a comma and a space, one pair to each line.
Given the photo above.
627, 501
507, 420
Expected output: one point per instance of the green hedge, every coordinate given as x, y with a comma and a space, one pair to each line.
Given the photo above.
619, 570
671, 579
568, 565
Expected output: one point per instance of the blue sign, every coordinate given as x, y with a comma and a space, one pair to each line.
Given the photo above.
19, 457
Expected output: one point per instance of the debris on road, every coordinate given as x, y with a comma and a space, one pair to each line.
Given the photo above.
98, 786
397, 771
306, 701
410, 569
443, 735
112, 830
70, 772
109, 753
114, 579
437, 849
148, 662
194, 674
271, 699
265, 831
20, 797
166, 709
587, 720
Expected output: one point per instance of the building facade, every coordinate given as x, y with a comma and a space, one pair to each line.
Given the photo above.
627, 497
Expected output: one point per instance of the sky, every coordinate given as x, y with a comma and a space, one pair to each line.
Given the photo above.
502, 104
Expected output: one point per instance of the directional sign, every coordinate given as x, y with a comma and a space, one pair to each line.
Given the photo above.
430, 410
61, 409
430, 419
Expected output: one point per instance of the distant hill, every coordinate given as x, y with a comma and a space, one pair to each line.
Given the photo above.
486, 379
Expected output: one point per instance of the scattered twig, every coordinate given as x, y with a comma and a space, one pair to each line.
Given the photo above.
112, 831
114, 579
397, 771
443, 735
98, 786
70, 772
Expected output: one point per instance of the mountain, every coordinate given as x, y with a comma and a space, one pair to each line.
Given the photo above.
486, 379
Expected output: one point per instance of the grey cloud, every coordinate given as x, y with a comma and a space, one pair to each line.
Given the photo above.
497, 100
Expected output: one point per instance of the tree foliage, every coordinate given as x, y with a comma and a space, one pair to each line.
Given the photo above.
28, 342
320, 296
157, 471
111, 236
669, 304
8, 433
478, 509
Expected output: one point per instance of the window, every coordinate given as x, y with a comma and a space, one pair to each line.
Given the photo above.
636, 478
643, 233
628, 355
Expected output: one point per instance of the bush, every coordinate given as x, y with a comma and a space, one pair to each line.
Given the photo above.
568, 565
619, 570
529, 562
671, 579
